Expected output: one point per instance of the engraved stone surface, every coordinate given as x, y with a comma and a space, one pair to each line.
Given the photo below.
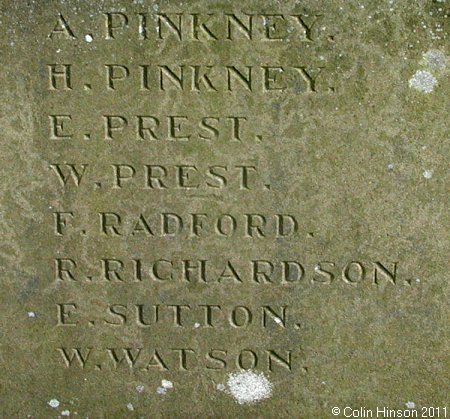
224, 209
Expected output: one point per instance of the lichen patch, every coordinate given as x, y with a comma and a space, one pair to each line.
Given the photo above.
53, 403
249, 387
423, 81
435, 59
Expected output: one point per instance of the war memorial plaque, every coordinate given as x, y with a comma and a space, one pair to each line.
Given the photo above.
224, 209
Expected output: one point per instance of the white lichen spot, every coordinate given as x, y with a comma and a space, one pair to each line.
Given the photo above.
130, 407
435, 60
31, 315
249, 387
88, 38
410, 405
196, 325
161, 390
140, 388
65, 413
428, 174
390, 166
53, 403
423, 81
220, 387
417, 279
166, 384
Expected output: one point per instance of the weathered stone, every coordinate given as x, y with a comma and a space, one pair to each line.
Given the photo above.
224, 209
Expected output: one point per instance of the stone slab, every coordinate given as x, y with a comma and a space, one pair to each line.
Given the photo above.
224, 209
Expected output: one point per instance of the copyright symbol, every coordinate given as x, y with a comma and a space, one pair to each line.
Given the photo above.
335, 411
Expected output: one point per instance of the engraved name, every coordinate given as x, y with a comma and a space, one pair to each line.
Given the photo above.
170, 224
151, 128
182, 26
172, 358
189, 316
199, 78
162, 177
229, 271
